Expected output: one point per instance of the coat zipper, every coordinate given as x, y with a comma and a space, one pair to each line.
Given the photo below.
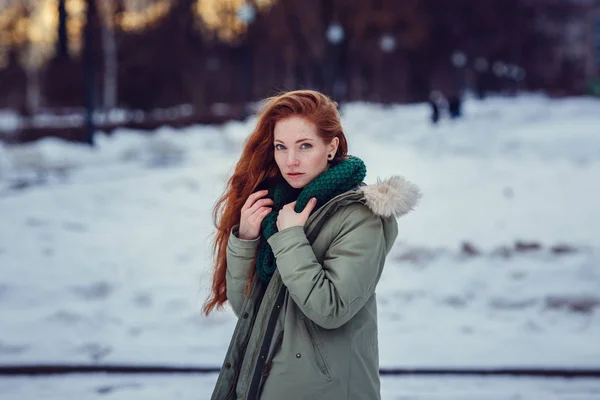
252, 393
238, 367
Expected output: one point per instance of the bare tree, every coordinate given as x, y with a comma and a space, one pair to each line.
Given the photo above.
62, 42
31, 61
89, 66
108, 9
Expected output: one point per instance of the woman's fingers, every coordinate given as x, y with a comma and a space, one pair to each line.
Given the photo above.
263, 214
259, 204
253, 197
260, 214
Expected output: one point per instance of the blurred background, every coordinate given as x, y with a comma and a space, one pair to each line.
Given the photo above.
121, 120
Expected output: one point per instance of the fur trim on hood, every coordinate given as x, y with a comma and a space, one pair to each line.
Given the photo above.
393, 196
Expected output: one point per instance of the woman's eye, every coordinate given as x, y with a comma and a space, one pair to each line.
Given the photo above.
279, 147
305, 146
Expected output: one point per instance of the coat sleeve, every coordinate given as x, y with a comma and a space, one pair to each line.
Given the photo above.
240, 255
332, 293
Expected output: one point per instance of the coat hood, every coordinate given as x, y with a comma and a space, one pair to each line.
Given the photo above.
393, 196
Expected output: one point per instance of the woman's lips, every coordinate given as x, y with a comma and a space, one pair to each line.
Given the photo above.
295, 174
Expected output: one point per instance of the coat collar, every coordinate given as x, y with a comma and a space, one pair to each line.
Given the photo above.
393, 196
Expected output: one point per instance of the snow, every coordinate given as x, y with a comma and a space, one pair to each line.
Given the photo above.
149, 387
9, 121
107, 258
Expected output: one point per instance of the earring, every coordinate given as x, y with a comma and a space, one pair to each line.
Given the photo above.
329, 156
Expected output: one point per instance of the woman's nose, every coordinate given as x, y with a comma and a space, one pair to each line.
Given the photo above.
292, 159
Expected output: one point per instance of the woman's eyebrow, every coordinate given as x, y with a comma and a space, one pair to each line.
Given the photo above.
297, 141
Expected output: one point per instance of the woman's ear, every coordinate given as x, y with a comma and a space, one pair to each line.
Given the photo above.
333, 146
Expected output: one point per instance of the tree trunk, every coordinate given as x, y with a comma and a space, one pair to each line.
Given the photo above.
62, 44
109, 46
89, 68
34, 93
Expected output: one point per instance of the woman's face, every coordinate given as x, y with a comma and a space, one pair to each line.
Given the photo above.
300, 153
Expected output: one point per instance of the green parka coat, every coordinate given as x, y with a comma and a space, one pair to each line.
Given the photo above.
311, 333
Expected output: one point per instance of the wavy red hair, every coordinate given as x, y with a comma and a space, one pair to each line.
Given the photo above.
257, 170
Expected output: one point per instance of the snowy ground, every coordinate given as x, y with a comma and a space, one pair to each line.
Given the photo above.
183, 387
104, 254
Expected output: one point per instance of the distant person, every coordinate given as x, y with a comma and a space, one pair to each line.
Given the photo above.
300, 246
435, 112
437, 103
454, 106
481, 83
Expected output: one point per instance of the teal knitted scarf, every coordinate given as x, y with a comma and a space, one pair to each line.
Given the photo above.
336, 180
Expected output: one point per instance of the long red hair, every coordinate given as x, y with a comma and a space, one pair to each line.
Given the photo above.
257, 170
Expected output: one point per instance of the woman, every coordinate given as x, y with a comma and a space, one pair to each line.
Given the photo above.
300, 247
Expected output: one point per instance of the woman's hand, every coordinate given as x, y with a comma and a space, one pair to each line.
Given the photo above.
288, 217
254, 210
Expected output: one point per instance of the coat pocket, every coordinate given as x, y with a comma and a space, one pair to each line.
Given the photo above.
317, 344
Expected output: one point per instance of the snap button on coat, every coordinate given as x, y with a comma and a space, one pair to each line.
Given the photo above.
266, 369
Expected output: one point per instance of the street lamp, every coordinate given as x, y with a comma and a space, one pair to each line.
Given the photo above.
387, 43
335, 33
